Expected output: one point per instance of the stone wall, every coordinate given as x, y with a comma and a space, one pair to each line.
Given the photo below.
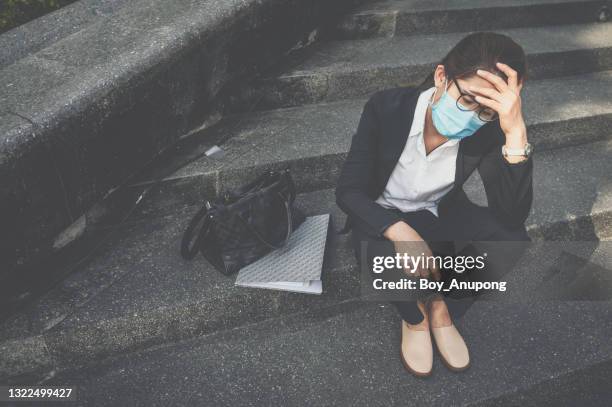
81, 111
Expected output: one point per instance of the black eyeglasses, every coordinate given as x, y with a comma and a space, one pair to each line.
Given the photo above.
466, 102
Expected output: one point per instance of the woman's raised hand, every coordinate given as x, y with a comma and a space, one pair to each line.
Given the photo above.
505, 99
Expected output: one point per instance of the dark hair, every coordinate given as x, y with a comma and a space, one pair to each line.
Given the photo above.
481, 50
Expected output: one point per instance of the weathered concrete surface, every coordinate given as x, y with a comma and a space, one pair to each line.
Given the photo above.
587, 387
138, 292
29, 38
407, 17
104, 100
347, 69
313, 139
352, 358
24, 356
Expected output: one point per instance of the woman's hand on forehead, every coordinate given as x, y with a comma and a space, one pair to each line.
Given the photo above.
505, 99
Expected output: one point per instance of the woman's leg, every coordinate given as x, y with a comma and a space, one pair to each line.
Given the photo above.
470, 222
411, 311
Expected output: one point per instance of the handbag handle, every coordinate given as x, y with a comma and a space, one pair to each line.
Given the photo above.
287, 201
262, 180
289, 226
187, 252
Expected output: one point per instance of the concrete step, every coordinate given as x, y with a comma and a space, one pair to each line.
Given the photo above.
408, 17
313, 140
137, 292
50, 28
133, 82
352, 358
338, 70
586, 387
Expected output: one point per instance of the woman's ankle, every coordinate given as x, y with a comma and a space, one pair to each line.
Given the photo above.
421, 326
424, 324
439, 315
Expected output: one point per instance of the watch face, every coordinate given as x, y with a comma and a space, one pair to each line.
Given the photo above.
528, 149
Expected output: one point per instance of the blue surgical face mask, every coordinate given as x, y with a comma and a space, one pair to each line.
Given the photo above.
451, 122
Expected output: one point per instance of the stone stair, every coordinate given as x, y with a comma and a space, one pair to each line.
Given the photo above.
337, 70
117, 319
313, 140
349, 356
409, 17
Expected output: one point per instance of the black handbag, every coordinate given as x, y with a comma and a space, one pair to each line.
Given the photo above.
242, 225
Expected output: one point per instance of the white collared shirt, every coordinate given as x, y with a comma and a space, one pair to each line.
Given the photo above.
418, 180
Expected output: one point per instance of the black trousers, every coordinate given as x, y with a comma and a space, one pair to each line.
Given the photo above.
465, 222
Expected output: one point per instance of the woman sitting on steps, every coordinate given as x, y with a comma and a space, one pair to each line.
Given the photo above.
413, 150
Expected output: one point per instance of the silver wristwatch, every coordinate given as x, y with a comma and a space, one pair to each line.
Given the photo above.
525, 151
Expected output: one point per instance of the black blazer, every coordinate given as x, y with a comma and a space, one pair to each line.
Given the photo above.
378, 143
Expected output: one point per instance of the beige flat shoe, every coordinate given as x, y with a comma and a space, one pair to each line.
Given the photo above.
416, 351
452, 347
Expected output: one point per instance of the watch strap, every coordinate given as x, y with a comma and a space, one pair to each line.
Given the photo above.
516, 151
